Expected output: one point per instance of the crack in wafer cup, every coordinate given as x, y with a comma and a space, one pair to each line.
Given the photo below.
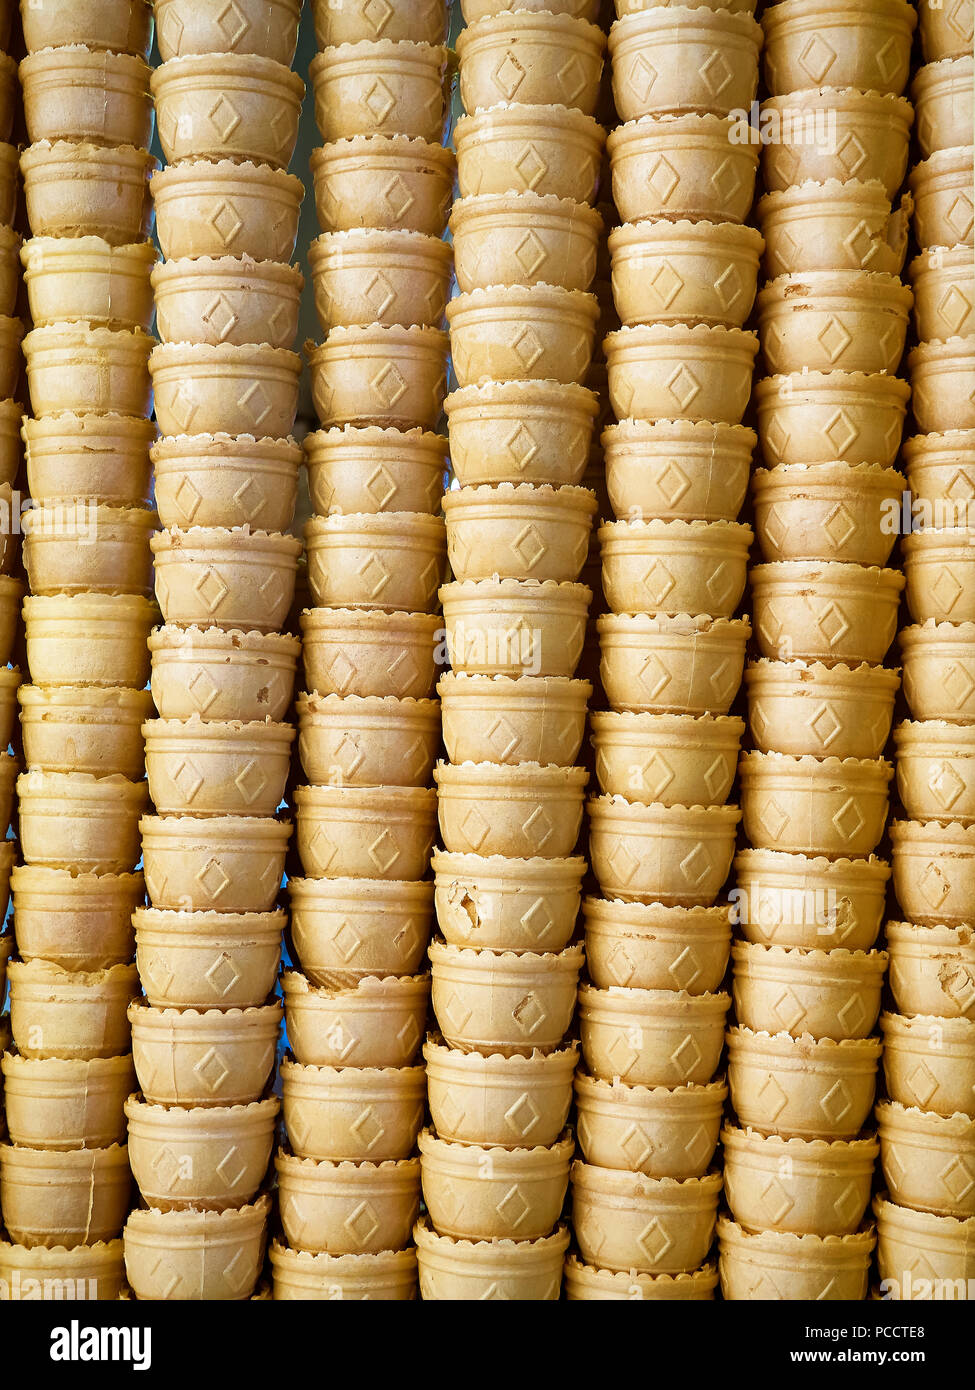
695, 567
390, 560
124, 27
347, 1208
943, 279
778, 1265
939, 670
671, 664
369, 1023
589, 1284
494, 1100
666, 371
73, 367
797, 1185
389, 1277
827, 511
928, 1062
225, 480
103, 458
67, 1013
380, 86
672, 759
867, 46
350, 21
833, 320
674, 59
192, 1256
628, 1221
367, 275
652, 1037
380, 374
83, 94
213, 863
835, 225
383, 832
502, 1002
77, 921
80, 548
944, 208
232, 578
926, 1158
676, 855
368, 740
938, 568
74, 820
74, 190
517, 333
227, 299
527, 1271
656, 1130
932, 969
353, 1113
698, 167
95, 1269
350, 651
66, 1104
518, 531
520, 811
804, 707
677, 469
801, 1087
222, 675
227, 106
691, 272
224, 1152
84, 729
374, 469
512, 720
503, 904
941, 384
193, 1057
226, 208
870, 140
513, 147
266, 27
217, 767
203, 960
539, 59
934, 871
936, 773
341, 935
823, 993
521, 431
942, 96
646, 946
64, 1199
477, 1193
70, 279
524, 238
814, 903
213, 388
830, 612
515, 627
819, 806
383, 181
909, 1243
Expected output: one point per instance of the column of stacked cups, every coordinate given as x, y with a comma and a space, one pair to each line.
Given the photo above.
218, 755
65, 1178
832, 320
356, 1006
684, 271
495, 1164
927, 1126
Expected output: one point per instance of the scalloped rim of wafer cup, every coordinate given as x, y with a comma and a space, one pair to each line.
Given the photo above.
619, 1284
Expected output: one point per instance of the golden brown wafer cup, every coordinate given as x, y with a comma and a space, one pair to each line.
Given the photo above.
225, 577
868, 47
833, 320
539, 59
267, 27
942, 96
124, 27
83, 94
908, 1241
379, 86
500, 719
202, 960
390, 560
677, 469
936, 772
941, 375
67, 1013
801, 1186
360, 740
529, 1271
801, 1087
389, 1277
381, 374
590, 1284
95, 1269
524, 238
939, 670
926, 1158
944, 292
72, 367
365, 832
515, 627
520, 431
77, 921
206, 388
369, 275
834, 225
222, 675
672, 59
695, 567
104, 458
384, 181
225, 480
374, 469
502, 904
849, 512
181, 1256
678, 371
227, 106
804, 707
477, 1193
673, 759
518, 531
349, 21
75, 820
698, 167
217, 767
651, 947
814, 903
934, 871
86, 278
500, 1002
937, 566
518, 333
671, 664
217, 863
946, 32
932, 969
778, 1265
353, 1113
823, 993
350, 651
59, 1104
64, 1199
659, 1131
226, 1151
207, 1057
518, 811
651, 1225
227, 299
676, 855
508, 1102
807, 805
651, 1037
829, 612
928, 1062
341, 935
944, 209
819, 133
226, 208
371, 1023
79, 548
84, 729
347, 1208
691, 272
513, 147
75, 190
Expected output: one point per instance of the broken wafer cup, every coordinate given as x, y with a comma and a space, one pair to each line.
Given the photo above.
73, 367
936, 773
677, 469
504, 904
202, 960
66, 1104
934, 871
835, 225
942, 96
64, 1198
671, 664
815, 903
67, 1013
932, 969
656, 1130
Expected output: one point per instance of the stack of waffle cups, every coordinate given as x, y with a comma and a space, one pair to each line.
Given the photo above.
652, 1019
218, 755
832, 318
64, 1180
369, 727
926, 1222
508, 880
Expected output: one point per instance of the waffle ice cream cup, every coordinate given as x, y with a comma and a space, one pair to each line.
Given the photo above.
203, 960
